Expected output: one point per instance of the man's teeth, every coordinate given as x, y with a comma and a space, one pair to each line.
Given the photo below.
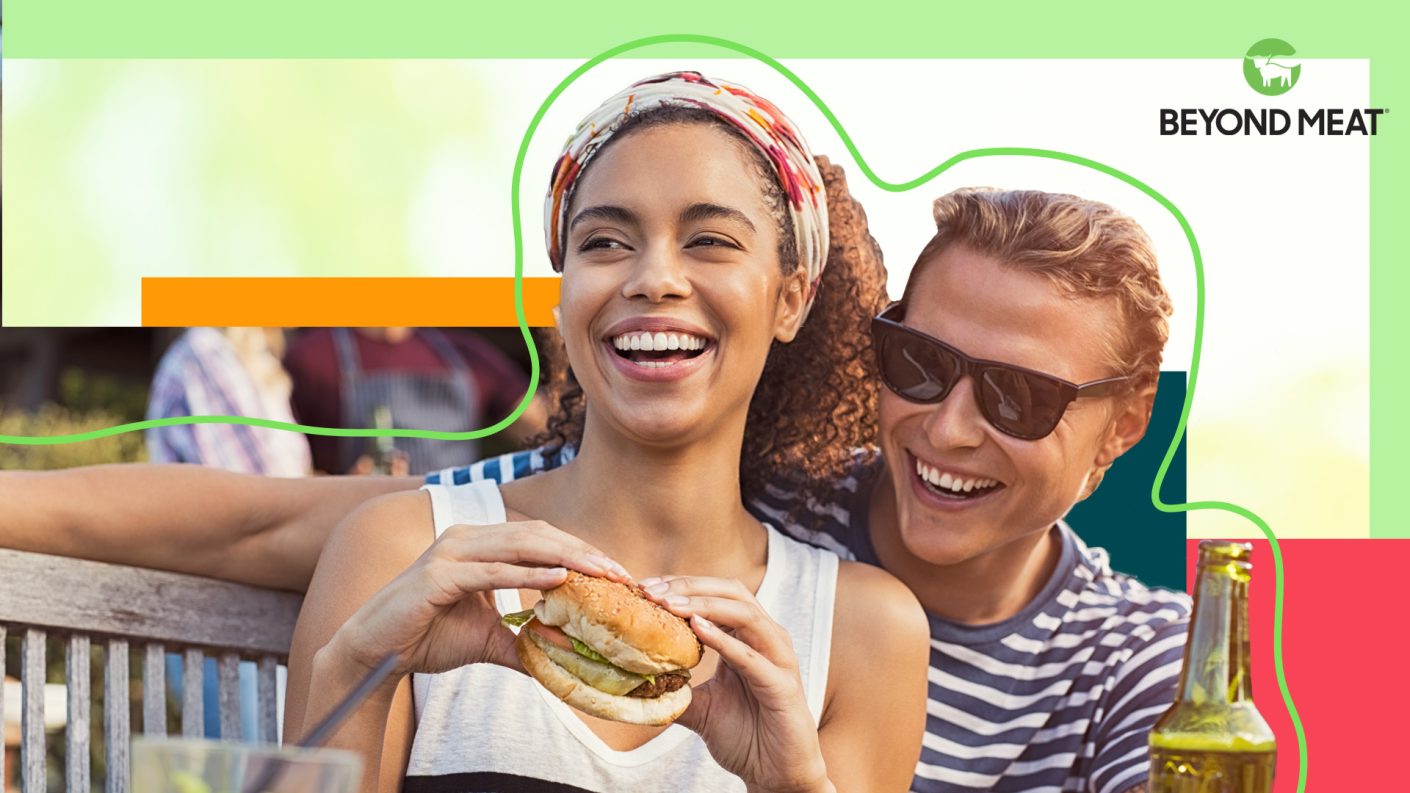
658, 342
947, 481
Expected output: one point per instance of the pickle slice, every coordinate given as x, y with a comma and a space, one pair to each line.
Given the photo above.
518, 618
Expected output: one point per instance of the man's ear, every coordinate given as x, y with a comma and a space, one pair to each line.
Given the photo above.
1128, 426
792, 300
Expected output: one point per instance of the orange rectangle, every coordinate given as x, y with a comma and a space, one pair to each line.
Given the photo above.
350, 302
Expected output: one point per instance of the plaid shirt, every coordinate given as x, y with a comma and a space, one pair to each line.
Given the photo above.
200, 375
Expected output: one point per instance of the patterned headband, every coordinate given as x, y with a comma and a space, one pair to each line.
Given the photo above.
762, 124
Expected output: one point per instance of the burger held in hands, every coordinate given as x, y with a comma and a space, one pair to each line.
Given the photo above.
608, 650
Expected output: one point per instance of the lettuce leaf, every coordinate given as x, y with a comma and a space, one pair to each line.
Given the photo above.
588, 652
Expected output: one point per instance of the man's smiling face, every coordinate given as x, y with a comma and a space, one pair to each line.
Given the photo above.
1007, 488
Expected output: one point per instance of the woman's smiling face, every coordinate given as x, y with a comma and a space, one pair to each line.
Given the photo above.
672, 291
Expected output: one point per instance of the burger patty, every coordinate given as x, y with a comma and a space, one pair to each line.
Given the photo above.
664, 684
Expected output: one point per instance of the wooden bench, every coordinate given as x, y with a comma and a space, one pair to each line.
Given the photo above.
143, 614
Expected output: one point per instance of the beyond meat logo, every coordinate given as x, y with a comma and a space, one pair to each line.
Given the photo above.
1270, 69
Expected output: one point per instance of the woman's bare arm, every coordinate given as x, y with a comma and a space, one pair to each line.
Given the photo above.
875, 715
384, 588
364, 553
257, 530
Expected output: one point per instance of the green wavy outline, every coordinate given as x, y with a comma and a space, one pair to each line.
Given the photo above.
691, 38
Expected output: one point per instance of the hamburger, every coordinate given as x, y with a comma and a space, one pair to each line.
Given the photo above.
608, 650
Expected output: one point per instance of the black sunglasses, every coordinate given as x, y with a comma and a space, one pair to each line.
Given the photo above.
1016, 401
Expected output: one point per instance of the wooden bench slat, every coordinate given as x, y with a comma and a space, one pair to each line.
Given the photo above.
118, 731
32, 776
228, 690
193, 704
154, 690
76, 730
149, 605
267, 685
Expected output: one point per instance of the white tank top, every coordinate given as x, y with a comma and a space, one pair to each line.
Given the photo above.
483, 728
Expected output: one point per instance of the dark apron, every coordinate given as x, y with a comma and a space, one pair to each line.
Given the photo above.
443, 402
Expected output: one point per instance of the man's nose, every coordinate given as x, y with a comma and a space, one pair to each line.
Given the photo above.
657, 274
956, 423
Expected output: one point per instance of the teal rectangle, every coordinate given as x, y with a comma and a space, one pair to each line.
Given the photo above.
1119, 517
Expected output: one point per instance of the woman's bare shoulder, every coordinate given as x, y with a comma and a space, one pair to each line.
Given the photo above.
878, 627
391, 528
872, 602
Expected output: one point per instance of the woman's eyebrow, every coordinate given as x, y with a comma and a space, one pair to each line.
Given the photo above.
698, 212
606, 212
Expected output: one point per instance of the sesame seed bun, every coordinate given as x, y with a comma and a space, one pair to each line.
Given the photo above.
621, 623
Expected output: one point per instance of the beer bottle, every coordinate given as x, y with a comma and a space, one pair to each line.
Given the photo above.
383, 448
1213, 739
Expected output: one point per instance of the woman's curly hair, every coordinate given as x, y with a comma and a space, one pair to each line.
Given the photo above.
815, 404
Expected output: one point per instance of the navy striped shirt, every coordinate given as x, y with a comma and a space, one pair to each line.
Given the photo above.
1060, 697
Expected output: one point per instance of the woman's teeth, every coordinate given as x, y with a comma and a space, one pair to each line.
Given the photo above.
658, 342
950, 484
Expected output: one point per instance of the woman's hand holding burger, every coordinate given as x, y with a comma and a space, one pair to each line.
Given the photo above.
753, 713
440, 614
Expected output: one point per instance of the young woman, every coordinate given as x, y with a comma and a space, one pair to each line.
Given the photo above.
690, 224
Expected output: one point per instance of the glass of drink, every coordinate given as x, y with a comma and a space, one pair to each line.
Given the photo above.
183, 765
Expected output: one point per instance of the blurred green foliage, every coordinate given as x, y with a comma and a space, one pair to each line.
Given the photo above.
87, 391
53, 420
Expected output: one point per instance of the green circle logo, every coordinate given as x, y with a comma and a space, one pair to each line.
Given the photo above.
1269, 67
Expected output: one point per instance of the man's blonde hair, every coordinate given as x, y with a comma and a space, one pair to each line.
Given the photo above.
1085, 247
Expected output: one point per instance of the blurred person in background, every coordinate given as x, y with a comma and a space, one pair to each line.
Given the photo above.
421, 378
226, 372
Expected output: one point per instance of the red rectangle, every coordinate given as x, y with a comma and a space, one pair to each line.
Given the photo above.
1344, 652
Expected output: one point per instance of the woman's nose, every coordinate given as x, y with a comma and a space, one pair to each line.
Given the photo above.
956, 423
657, 274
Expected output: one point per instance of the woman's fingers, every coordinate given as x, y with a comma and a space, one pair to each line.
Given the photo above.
691, 585
763, 676
747, 621
726, 603
648, 583
675, 591
500, 650
451, 581
529, 542
484, 576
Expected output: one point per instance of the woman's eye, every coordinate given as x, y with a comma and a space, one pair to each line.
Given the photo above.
713, 241
600, 243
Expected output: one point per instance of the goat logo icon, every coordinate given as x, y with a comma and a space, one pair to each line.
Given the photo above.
1270, 68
